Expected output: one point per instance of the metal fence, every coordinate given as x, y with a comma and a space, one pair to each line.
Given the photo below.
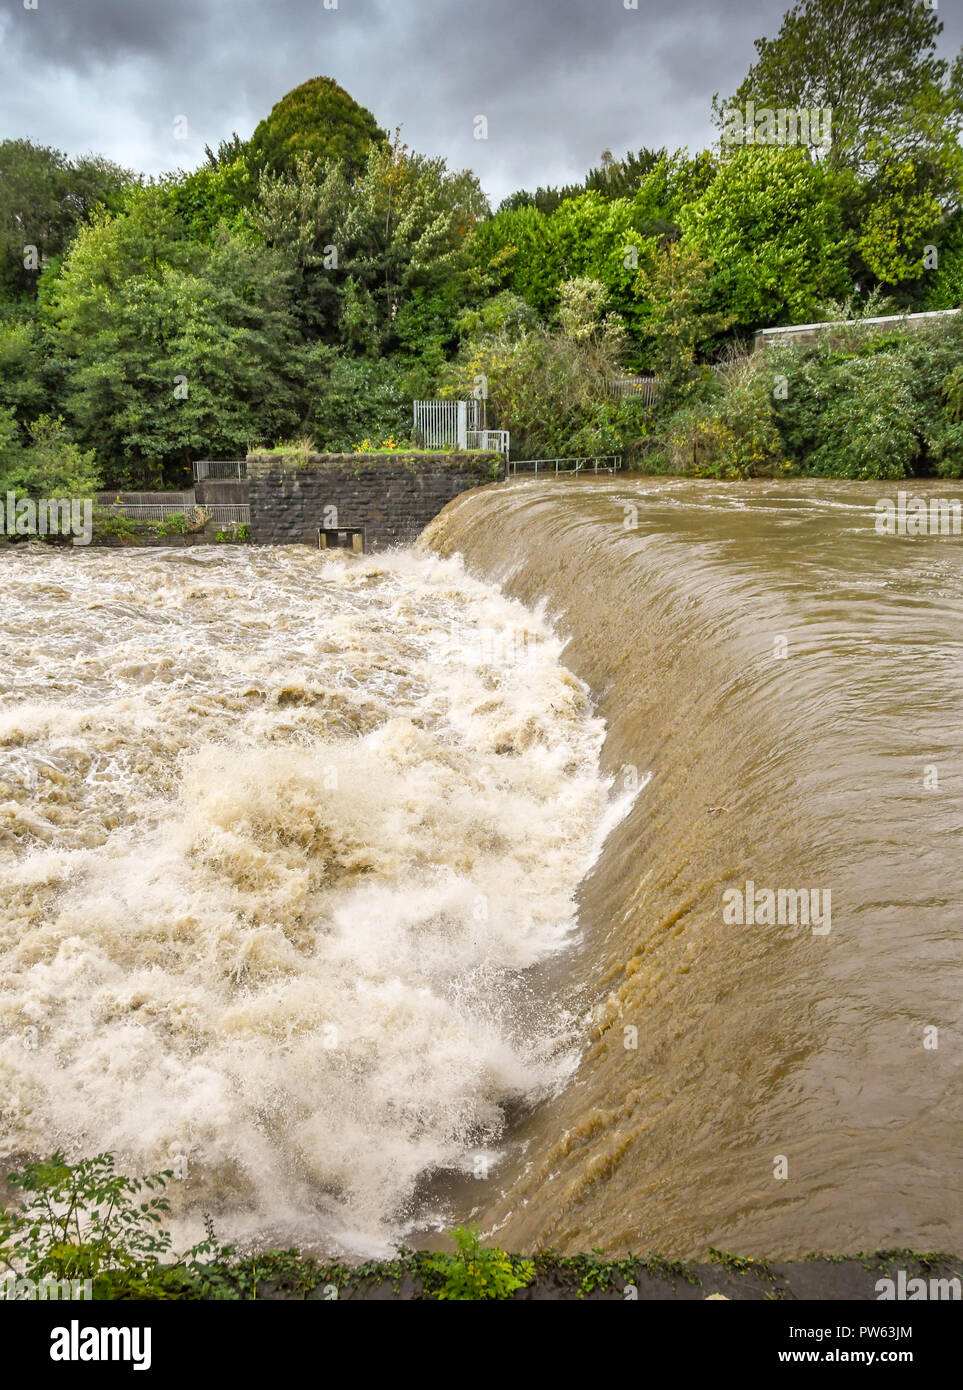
239, 513
599, 463
441, 424
493, 441
151, 511
647, 387
217, 512
219, 468
180, 501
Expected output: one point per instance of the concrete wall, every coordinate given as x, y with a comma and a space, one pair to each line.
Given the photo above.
392, 496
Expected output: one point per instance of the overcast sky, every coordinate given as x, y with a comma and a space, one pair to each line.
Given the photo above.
557, 80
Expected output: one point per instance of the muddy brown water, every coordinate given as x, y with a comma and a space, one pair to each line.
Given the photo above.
791, 682
388, 892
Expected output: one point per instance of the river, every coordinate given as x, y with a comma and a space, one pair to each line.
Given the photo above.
371, 894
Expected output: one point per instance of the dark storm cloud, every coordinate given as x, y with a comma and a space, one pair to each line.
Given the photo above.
558, 81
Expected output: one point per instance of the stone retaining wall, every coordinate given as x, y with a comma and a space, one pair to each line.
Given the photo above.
392, 497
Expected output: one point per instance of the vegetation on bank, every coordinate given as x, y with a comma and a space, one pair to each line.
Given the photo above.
314, 279
118, 529
866, 402
85, 1221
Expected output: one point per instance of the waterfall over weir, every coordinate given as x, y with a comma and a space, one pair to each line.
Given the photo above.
791, 682
384, 892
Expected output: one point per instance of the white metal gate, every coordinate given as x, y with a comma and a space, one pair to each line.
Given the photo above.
441, 424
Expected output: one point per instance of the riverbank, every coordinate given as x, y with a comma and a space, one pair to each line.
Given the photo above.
419, 1275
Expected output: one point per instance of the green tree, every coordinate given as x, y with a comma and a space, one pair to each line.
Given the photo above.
294, 215
382, 260
94, 182
773, 224
27, 384
173, 348
874, 64
318, 119
86, 1221
405, 232
613, 178
10, 441
211, 196
227, 152
533, 254
942, 284
593, 234
677, 282
44, 198
899, 217
50, 464
620, 178
359, 397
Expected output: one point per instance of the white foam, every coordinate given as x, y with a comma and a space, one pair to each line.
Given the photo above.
317, 994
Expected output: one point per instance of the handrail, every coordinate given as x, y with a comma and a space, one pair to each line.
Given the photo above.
608, 463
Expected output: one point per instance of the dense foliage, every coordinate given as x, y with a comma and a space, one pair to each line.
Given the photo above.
873, 64
318, 118
313, 280
856, 404
44, 198
554, 379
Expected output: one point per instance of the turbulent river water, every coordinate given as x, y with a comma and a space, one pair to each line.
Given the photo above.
374, 893
283, 843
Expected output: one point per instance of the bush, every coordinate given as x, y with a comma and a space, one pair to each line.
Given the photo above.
84, 1221
863, 423
176, 524
734, 434
475, 1273
874, 405
935, 367
87, 1222
359, 397
552, 385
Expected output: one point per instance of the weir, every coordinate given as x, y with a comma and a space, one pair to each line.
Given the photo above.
775, 666
299, 843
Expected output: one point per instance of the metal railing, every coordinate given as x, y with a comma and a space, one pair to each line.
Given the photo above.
150, 511
646, 387
599, 463
493, 441
181, 501
219, 468
239, 513
217, 512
